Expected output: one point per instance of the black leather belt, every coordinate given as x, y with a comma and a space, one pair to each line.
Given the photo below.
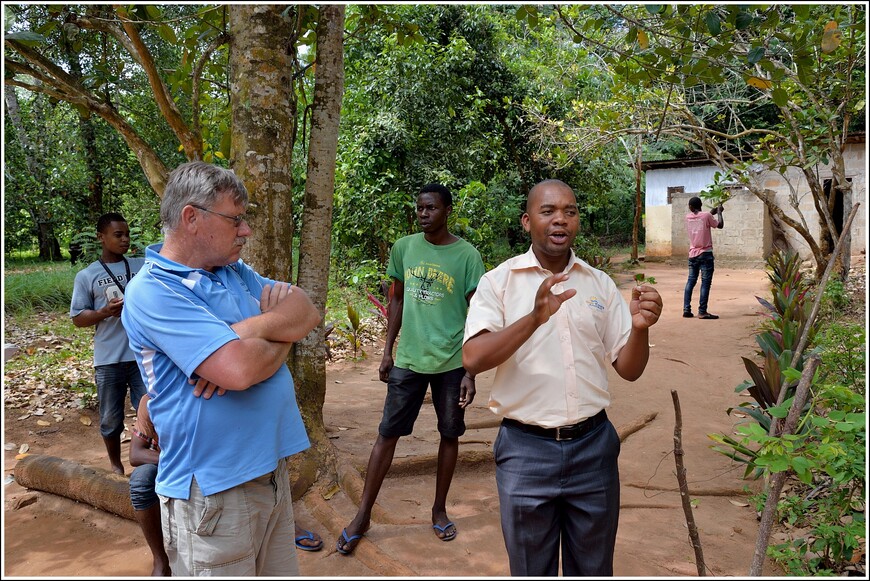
561, 433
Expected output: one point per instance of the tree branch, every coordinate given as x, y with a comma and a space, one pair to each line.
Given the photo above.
191, 142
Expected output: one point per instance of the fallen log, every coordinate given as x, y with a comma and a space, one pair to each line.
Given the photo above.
94, 486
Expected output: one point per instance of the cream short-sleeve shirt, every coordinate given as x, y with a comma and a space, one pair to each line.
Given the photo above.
559, 376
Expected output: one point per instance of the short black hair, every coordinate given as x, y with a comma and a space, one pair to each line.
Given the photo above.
694, 203
446, 196
547, 182
106, 219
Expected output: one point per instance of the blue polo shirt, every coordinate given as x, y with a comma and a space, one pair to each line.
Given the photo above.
175, 317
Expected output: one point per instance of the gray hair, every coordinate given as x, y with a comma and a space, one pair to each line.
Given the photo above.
198, 183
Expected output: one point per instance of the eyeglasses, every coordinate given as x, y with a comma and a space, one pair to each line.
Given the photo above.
237, 220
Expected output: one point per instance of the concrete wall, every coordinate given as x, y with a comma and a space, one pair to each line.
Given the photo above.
657, 225
748, 233
855, 161
745, 239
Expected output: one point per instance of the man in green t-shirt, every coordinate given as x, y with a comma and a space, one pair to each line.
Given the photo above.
434, 276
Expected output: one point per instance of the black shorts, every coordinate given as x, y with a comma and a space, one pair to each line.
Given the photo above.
405, 392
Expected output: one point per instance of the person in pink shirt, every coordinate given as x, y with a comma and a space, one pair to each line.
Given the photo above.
698, 226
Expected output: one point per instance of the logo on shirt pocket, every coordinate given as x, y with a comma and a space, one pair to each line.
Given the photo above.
594, 303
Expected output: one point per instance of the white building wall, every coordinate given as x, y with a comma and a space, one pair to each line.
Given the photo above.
692, 179
748, 218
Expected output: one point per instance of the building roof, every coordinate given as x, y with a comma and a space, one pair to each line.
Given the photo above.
672, 163
853, 137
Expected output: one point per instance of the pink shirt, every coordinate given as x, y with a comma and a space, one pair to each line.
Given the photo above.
559, 376
698, 226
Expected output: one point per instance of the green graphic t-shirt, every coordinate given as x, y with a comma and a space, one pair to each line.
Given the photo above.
437, 279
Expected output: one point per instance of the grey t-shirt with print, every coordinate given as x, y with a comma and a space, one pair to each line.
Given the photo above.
91, 290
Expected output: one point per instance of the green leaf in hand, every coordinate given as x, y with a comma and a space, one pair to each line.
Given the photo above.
640, 278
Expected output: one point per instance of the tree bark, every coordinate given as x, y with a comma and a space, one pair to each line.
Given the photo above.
684, 486
263, 131
94, 486
309, 370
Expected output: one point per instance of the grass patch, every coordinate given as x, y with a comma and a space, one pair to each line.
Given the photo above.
37, 287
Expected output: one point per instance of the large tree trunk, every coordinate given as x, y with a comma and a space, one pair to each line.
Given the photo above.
263, 131
309, 370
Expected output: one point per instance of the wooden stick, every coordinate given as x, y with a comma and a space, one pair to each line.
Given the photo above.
684, 486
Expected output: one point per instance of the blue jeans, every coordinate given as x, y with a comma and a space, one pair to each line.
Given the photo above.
112, 382
703, 264
142, 494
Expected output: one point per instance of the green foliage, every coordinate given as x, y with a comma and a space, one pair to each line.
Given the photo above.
773, 87
444, 108
716, 193
352, 331
830, 502
40, 288
834, 300
843, 348
778, 339
826, 453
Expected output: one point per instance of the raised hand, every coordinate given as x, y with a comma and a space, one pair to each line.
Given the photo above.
547, 302
645, 306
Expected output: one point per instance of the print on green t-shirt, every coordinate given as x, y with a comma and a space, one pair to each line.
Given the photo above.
437, 280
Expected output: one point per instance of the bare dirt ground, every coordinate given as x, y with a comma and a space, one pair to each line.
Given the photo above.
699, 359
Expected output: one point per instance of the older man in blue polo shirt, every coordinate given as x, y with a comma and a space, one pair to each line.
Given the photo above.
199, 320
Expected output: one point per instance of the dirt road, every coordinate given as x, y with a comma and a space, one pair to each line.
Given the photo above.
700, 359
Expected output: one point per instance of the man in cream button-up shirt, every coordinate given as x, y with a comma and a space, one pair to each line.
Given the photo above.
551, 324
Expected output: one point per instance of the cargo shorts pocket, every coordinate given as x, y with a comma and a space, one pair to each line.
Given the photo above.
167, 523
209, 515
221, 537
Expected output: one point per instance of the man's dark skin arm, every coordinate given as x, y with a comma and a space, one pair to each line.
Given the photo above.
487, 350
490, 349
394, 323
140, 453
90, 317
467, 389
718, 213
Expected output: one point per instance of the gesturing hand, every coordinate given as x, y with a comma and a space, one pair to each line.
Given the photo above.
547, 302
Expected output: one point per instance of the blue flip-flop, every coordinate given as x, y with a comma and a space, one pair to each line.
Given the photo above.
345, 541
310, 537
447, 536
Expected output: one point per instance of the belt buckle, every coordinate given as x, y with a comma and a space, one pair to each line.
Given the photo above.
559, 437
